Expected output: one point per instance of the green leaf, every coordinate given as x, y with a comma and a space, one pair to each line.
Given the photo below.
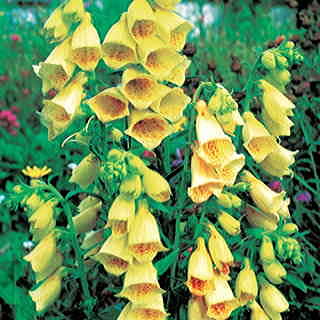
163, 265
313, 300
297, 282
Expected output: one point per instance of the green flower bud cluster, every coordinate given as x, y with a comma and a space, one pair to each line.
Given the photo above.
289, 248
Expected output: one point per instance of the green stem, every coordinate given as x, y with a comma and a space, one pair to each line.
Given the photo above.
84, 283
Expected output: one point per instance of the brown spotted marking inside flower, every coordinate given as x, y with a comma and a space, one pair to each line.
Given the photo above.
86, 57
177, 38
109, 108
199, 287
261, 146
119, 227
145, 251
140, 88
161, 60
149, 314
150, 128
222, 310
218, 150
115, 265
140, 290
118, 53
204, 192
143, 29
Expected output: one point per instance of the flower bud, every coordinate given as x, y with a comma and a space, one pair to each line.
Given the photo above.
219, 251
56, 262
131, 187
289, 228
224, 200
228, 223
200, 270
155, 186
274, 271
289, 45
86, 172
259, 219
140, 283
236, 201
268, 60
246, 283
271, 298
92, 238
257, 312
121, 215
266, 250
282, 62
33, 202
144, 236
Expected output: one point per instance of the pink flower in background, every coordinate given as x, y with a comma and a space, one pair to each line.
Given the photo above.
304, 196
15, 37
275, 186
26, 91
4, 78
149, 154
15, 109
8, 120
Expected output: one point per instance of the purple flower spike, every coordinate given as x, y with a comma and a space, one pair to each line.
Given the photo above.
304, 197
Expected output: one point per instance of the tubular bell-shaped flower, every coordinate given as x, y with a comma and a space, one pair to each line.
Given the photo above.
148, 128
144, 236
114, 255
55, 28
86, 172
48, 292
88, 214
178, 73
259, 219
155, 186
119, 48
197, 309
56, 70
205, 180
278, 162
59, 112
215, 147
73, 10
221, 301
200, 271
266, 250
257, 312
140, 283
172, 104
56, 262
265, 199
85, 45
121, 215
219, 251
131, 187
109, 105
257, 140
228, 223
274, 271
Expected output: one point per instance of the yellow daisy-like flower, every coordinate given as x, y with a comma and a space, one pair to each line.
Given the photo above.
35, 172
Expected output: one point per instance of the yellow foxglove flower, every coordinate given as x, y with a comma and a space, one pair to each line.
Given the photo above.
38, 233
172, 104
265, 199
119, 48
150, 309
140, 283
280, 128
142, 23
225, 108
277, 163
155, 186
225, 200
219, 251
197, 309
266, 250
144, 236
284, 209
135, 163
215, 147
36, 172
221, 301
56, 263
131, 187
121, 215
59, 112
272, 298
259, 219
42, 256
257, 312
33, 202
274, 271
91, 238
73, 10
272, 315
109, 105
246, 283
43, 218
275, 103
236, 201
158, 58
177, 27
55, 28
141, 89
229, 171
205, 180
228, 223
85, 45
87, 218
148, 128
257, 140
114, 255
289, 228
86, 172
48, 292
200, 270
167, 4
178, 73
56, 70
125, 313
